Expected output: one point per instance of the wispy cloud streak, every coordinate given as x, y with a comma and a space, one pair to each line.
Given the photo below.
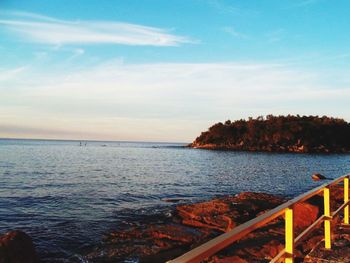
164, 101
9, 74
233, 32
47, 30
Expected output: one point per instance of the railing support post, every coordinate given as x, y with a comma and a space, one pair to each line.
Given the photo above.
346, 199
327, 222
289, 235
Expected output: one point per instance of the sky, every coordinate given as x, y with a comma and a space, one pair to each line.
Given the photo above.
167, 70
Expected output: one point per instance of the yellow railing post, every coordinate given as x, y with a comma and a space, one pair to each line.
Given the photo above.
346, 199
327, 221
289, 235
217, 244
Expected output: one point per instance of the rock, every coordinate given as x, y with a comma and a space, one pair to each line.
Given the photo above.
209, 214
269, 250
223, 214
235, 259
148, 242
17, 247
309, 243
318, 177
304, 215
259, 246
338, 254
191, 225
194, 224
337, 196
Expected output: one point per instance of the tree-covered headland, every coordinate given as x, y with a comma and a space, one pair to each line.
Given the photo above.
304, 134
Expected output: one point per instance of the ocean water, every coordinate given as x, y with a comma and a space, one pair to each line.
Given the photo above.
67, 195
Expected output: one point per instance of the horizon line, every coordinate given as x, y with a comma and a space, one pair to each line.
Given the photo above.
88, 140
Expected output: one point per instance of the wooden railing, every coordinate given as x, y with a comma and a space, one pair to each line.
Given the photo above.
213, 246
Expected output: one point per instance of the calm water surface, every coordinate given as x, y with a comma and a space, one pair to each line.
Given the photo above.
66, 196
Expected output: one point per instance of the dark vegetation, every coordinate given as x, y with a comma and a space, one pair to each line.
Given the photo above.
279, 134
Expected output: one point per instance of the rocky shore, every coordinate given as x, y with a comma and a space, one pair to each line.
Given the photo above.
297, 148
159, 238
193, 224
17, 247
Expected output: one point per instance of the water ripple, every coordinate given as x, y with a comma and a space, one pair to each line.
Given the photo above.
67, 197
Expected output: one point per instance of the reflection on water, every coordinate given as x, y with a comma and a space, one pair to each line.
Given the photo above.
66, 195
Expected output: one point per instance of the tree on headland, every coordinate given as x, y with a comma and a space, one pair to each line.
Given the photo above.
278, 133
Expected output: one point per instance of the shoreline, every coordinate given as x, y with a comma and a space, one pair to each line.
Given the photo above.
192, 224
81, 219
159, 238
272, 149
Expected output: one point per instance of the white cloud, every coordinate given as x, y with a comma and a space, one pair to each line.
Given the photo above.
8, 74
165, 101
47, 30
77, 53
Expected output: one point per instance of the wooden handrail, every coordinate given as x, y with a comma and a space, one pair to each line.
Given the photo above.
213, 246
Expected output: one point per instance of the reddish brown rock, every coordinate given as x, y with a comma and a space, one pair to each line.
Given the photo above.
17, 247
208, 215
305, 214
268, 250
256, 247
231, 259
223, 214
171, 232
338, 254
193, 224
337, 196
309, 243
149, 243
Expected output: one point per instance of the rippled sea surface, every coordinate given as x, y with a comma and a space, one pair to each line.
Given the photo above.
66, 196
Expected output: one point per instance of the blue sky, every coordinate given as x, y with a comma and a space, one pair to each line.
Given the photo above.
166, 70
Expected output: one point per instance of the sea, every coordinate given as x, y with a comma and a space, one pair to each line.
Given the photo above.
67, 194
